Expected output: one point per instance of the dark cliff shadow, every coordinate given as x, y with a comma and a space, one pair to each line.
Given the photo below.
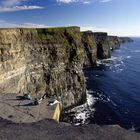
17, 98
89, 54
29, 104
100, 51
20, 98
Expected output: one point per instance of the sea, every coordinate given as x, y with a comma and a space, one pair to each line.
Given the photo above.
113, 90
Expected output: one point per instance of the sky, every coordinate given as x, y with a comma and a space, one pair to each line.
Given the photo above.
117, 17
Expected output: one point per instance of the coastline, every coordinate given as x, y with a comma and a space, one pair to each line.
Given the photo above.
48, 71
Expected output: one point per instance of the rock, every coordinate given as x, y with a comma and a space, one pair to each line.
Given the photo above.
125, 39
114, 42
103, 47
51, 130
89, 44
50, 61
43, 61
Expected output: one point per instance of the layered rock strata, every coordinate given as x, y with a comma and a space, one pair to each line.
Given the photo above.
50, 61
90, 48
43, 61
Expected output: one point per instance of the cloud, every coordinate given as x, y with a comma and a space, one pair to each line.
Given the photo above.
5, 24
34, 25
74, 1
86, 2
67, 1
19, 8
105, 1
81, 1
94, 29
16, 5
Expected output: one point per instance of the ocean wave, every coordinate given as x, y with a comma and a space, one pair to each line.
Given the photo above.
110, 59
86, 78
115, 64
118, 67
82, 112
113, 58
113, 61
128, 56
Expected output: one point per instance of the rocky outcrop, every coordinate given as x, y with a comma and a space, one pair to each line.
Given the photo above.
114, 42
43, 61
90, 48
105, 44
125, 39
103, 48
50, 130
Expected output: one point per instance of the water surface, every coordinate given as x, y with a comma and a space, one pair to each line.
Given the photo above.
116, 88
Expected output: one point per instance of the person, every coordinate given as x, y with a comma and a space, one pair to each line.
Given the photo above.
44, 96
37, 101
51, 103
27, 96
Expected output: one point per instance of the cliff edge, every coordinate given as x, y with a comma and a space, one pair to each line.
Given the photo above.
50, 61
43, 61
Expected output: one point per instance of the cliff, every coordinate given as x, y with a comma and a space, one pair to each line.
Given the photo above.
90, 48
114, 42
50, 61
125, 39
103, 48
43, 61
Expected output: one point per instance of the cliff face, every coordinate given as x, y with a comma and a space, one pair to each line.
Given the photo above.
103, 48
43, 61
114, 42
90, 48
50, 61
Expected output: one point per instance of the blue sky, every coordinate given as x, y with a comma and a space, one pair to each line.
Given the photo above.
117, 17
